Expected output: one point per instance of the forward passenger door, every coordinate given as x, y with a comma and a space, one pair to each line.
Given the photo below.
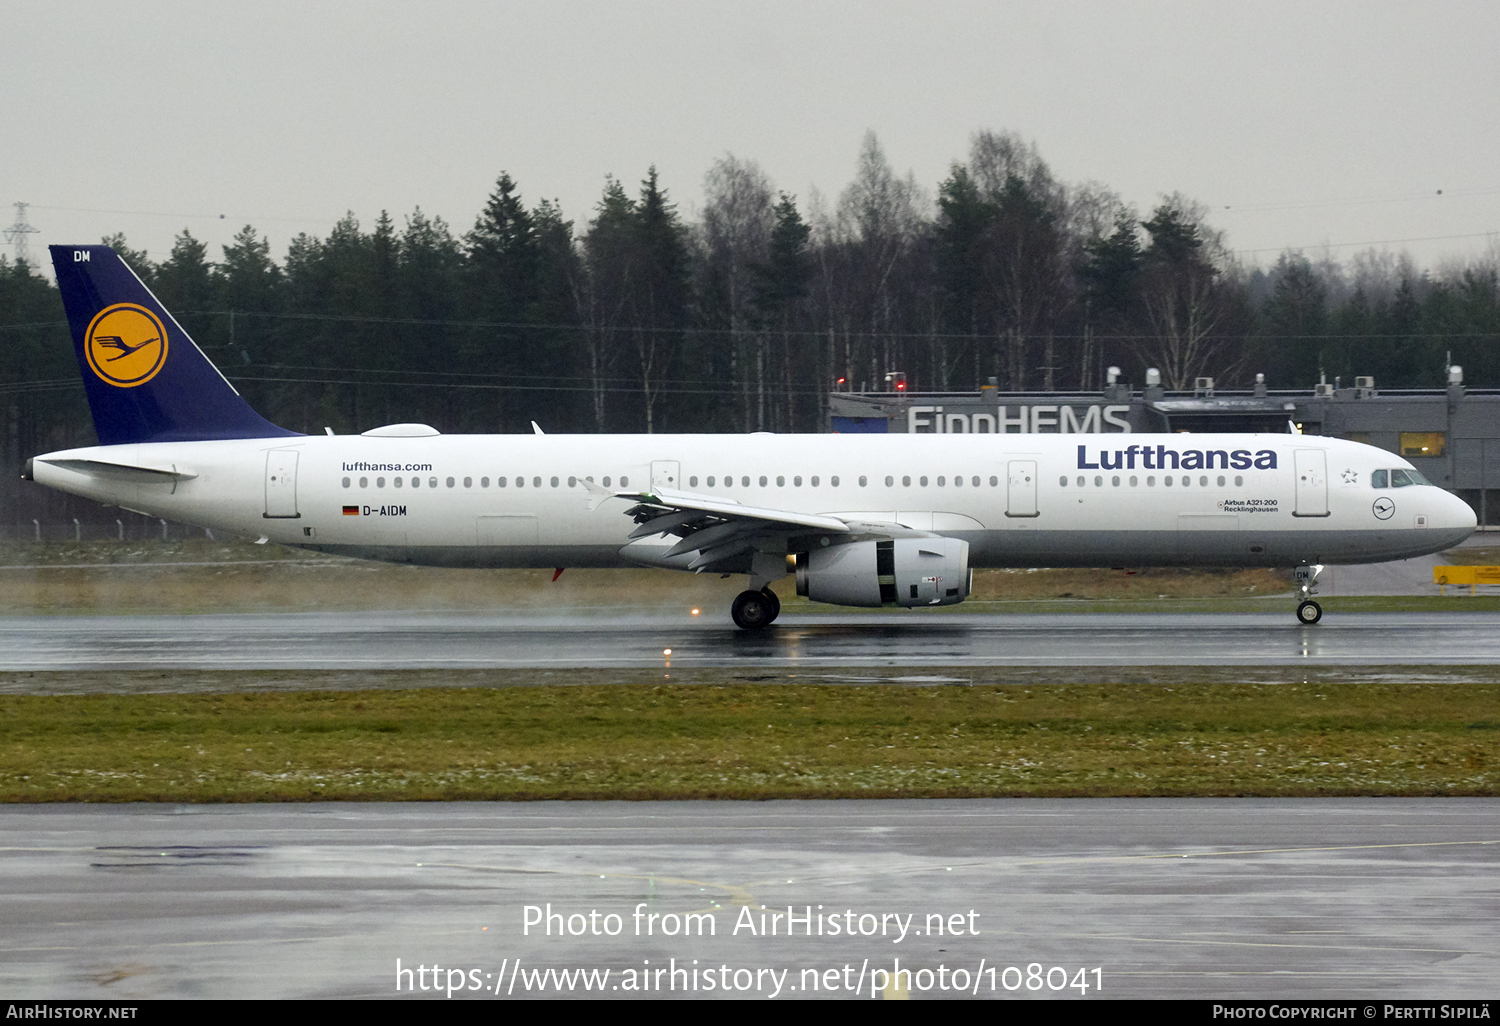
1311, 467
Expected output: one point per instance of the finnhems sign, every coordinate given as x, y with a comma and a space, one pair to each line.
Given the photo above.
1032, 420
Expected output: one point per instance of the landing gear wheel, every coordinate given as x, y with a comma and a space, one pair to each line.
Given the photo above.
752, 610
1309, 612
775, 601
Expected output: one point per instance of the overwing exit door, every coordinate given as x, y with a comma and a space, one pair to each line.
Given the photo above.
1020, 489
665, 474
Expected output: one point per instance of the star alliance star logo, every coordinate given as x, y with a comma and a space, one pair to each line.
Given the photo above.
1350, 476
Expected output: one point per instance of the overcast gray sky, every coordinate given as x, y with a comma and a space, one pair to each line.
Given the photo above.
1300, 124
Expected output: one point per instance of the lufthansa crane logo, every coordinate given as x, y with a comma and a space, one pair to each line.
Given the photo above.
126, 345
1383, 509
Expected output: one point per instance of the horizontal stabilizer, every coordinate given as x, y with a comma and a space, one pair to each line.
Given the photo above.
99, 468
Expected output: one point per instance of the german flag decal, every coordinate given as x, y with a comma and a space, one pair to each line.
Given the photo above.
351, 511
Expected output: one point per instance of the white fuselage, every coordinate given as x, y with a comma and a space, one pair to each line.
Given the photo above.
1018, 500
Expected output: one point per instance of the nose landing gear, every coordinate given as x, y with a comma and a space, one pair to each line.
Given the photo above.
1306, 576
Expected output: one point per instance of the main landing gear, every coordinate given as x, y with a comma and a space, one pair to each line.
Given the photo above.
753, 610
1306, 576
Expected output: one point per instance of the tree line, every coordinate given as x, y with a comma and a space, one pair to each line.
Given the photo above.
746, 316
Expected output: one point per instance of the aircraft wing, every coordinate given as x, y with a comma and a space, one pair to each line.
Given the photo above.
711, 529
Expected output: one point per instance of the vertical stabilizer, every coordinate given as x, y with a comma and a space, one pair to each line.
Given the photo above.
147, 381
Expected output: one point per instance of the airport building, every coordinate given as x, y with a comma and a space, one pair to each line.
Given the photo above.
1451, 435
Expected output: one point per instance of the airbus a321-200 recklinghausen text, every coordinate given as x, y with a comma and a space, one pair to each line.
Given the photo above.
862, 520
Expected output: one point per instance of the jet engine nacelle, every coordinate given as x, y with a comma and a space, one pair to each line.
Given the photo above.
903, 572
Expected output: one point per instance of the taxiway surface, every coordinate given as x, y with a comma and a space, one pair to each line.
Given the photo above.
456, 640
1203, 898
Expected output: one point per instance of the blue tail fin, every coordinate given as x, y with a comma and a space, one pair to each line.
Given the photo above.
147, 381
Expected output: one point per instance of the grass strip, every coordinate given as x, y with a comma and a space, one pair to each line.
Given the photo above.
757, 741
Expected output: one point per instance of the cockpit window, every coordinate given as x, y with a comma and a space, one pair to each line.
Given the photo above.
1396, 478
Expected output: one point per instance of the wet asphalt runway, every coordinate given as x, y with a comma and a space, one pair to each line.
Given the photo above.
1204, 898
458, 640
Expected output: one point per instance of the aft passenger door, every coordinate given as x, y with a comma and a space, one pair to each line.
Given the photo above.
1020, 490
281, 485
1312, 483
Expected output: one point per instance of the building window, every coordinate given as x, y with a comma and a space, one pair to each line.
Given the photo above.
1423, 443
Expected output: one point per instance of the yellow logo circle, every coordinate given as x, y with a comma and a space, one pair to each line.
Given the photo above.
126, 345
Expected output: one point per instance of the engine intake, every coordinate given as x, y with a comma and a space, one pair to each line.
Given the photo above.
902, 572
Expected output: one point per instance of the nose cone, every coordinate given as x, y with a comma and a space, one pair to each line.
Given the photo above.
1455, 517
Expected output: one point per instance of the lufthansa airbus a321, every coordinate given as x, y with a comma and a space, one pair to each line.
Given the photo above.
862, 520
